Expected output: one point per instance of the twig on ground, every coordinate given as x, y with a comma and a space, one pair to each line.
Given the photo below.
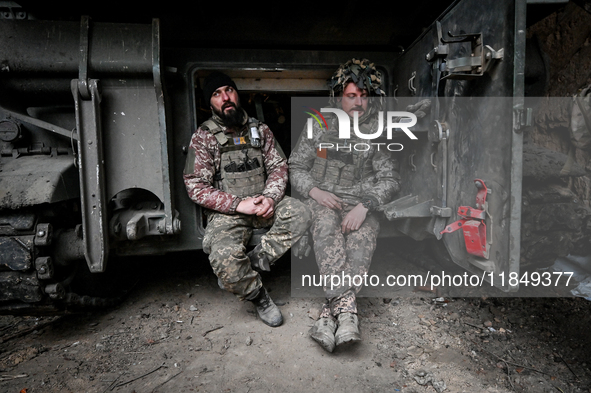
167, 380
212, 330
515, 364
508, 374
474, 326
10, 377
566, 364
110, 387
28, 330
141, 376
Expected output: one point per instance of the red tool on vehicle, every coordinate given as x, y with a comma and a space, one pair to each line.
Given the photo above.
472, 223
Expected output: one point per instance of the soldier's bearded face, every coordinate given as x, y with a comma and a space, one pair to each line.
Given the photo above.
354, 100
225, 103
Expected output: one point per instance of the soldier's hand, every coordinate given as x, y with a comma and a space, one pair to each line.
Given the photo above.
354, 219
248, 206
266, 206
325, 198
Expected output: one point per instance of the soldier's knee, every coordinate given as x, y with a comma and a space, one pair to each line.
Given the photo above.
303, 215
226, 254
299, 217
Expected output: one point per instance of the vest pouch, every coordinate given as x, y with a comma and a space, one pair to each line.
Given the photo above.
333, 171
319, 168
245, 184
347, 176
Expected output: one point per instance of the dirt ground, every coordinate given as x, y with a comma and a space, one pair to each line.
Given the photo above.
177, 331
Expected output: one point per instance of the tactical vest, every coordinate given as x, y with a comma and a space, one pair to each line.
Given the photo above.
242, 169
341, 168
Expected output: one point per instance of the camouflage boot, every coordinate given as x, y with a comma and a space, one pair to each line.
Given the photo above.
266, 309
348, 330
258, 261
323, 333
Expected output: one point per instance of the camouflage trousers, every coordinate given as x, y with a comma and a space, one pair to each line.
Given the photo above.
340, 254
226, 237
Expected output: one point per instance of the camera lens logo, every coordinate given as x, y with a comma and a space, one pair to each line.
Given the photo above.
317, 116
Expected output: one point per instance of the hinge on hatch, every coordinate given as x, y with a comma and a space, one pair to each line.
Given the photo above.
522, 118
476, 64
472, 223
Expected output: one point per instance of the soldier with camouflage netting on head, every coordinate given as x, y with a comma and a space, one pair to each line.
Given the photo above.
362, 73
238, 173
343, 187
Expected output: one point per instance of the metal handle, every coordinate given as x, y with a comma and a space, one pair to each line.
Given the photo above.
411, 86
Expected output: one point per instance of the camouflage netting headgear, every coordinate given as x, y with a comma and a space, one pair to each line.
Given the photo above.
361, 72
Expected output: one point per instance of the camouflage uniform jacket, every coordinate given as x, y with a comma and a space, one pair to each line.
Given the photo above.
199, 178
380, 179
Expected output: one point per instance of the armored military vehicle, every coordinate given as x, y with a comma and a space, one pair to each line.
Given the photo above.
97, 105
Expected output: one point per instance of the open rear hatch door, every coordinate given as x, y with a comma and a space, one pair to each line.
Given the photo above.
462, 176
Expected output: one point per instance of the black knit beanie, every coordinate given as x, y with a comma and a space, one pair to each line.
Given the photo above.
214, 81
